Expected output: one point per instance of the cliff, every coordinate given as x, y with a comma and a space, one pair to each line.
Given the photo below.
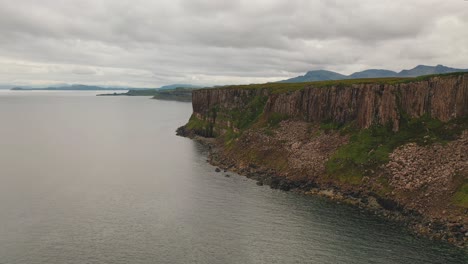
393, 145
440, 97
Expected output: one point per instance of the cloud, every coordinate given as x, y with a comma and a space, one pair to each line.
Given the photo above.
151, 43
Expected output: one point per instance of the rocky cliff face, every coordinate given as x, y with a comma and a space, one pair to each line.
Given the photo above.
441, 97
405, 149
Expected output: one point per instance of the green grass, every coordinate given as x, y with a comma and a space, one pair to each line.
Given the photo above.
229, 136
353, 177
240, 119
201, 127
461, 196
369, 148
329, 125
196, 123
244, 118
275, 118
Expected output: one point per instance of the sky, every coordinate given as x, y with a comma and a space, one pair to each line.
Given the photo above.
149, 43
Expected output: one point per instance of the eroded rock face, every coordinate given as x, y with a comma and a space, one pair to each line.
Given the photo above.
442, 97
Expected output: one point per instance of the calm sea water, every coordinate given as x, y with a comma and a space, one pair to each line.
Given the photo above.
86, 179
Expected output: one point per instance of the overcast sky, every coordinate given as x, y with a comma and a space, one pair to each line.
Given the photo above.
144, 43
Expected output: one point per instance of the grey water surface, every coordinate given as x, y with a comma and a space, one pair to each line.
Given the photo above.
86, 179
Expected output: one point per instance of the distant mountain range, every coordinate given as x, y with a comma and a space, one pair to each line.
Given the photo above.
317, 75
81, 87
74, 87
323, 75
174, 86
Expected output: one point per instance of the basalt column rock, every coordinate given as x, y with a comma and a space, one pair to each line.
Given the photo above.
440, 97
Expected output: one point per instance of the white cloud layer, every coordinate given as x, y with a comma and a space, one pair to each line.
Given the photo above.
150, 43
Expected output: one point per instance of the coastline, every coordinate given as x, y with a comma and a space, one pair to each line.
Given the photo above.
396, 147
177, 94
450, 232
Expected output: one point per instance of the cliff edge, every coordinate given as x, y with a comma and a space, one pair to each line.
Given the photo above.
396, 146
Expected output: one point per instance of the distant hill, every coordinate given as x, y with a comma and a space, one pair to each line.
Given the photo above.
74, 87
426, 70
319, 75
322, 75
81, 87
174, 86
373, 73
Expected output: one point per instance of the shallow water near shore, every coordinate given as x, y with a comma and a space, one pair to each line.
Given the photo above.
86, 179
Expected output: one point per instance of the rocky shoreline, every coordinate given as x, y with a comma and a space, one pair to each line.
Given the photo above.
451, 232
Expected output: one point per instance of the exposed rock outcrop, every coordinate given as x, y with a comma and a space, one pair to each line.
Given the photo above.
441, 97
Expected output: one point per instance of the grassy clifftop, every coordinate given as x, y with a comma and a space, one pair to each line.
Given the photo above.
277, 87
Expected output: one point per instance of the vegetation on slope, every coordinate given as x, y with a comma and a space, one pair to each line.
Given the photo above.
370, 148
240, 119
461, 196
200, 127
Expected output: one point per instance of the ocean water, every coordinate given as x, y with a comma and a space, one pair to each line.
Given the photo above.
86, 179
